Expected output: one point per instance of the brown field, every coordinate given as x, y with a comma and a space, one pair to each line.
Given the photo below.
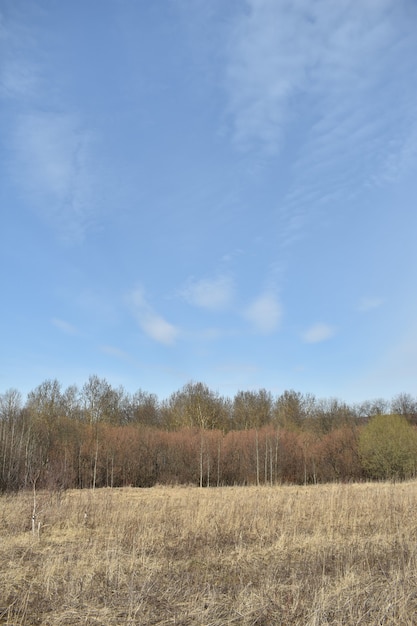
332, 554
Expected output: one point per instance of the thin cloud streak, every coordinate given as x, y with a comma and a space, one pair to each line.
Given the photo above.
19, 79
150, 322
318, 333
65, 327
20, 72
369, 304
115, 352
215, 294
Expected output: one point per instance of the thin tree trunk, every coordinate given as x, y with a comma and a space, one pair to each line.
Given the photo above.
208, 468
257, 458
266, 460
95, 466
201, 458
276, 454
218, 463
305, 467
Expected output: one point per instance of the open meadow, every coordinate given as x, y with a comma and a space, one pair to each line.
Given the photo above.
327, 554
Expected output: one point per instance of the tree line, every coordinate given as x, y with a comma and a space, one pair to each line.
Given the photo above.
102, 436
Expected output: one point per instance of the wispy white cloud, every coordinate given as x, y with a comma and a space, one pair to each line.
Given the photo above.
116, 352
264, 313
214, 294
150, 322
400, 157
49, 150
280, 52
19, 78
20, 71
369, 303
64, 326
318, 333
303, 63
52, 165
265, 69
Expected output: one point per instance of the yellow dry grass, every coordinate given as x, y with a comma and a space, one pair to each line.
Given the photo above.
331, 554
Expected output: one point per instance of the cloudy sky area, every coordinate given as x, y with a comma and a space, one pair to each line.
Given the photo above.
217, 191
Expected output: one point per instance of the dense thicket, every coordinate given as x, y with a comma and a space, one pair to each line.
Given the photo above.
102, 436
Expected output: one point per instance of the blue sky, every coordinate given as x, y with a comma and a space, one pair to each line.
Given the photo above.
218, 191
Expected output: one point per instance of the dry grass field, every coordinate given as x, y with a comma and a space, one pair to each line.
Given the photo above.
331, 554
